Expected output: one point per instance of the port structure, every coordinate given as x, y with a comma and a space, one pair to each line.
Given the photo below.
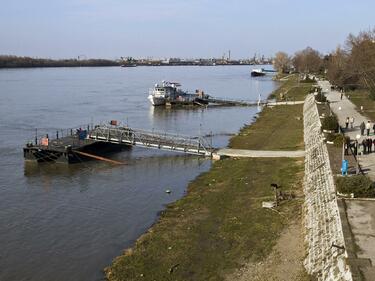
151, 139
101, 139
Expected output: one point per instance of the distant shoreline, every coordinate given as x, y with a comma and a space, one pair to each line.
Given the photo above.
8, 62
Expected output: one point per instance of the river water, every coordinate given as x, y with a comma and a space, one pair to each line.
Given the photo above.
61, 222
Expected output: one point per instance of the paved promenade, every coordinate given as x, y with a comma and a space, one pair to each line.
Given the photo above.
359, 214
260, 153
345, 108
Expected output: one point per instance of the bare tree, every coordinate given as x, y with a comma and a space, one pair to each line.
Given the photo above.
362, 59
308, 61
282, 62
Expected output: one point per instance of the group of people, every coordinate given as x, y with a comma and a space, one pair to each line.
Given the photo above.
367, 146
362, 126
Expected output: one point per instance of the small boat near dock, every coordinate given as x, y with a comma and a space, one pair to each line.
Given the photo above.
258, 72
261, 72
170, 93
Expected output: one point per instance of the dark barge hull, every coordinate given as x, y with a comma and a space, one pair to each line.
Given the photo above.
257, 74
69, 156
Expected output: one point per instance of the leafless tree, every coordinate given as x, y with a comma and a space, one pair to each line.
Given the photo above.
308, 61
282, 62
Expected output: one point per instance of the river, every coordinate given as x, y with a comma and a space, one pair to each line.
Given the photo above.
61, 222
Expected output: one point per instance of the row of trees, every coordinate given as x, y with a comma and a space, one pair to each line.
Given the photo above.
14, 61
351, 66
305, 61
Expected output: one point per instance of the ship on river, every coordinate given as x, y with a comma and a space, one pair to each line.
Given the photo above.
170, 93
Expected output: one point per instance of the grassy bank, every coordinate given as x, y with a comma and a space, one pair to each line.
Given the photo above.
277, 128
291, 89
361, 98
219, 226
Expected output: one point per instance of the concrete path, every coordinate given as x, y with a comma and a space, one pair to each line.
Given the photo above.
285, 103
260, 153
345, 108
361, 217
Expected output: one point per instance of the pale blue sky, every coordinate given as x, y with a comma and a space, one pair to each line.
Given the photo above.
177, 28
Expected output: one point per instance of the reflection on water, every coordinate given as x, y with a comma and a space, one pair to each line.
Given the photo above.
61, 222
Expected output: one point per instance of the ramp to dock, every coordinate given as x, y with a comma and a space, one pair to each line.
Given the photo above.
151, 139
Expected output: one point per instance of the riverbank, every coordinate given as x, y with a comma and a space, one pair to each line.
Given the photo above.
219, 229
82, 61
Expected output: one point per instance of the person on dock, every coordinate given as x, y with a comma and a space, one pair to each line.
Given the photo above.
352, 122
347, 123
368, 127
362, 127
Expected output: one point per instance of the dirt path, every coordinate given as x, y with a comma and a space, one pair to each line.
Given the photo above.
285, 263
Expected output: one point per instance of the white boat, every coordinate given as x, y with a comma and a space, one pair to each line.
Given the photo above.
258, 72
161, 93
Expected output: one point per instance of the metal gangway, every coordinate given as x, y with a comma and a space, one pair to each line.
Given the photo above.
151, 139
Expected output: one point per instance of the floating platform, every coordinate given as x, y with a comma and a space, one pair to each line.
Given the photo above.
103, 139
67, 150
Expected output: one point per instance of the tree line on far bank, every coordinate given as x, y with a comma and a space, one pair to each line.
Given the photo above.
350, 67
14, 61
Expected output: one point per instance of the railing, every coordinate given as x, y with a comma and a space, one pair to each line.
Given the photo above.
159, 140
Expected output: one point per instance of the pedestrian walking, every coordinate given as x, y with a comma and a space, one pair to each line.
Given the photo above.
352, 122
368, 127
373, 127
364, 146
347, 123
346, 149
362, 127
356, 147
341, 95
369, 145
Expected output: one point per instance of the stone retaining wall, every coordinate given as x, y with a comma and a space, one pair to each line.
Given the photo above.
324, 236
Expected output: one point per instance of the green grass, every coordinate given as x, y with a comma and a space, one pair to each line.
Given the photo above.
361, 98
220, 224
291, 89
277, 128
217, 226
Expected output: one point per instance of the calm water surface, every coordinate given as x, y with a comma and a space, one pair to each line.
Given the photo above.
60, 222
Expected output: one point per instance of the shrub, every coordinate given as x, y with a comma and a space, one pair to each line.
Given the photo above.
320, 97
360, 185
330, 123
372, 93
315, 89
331, 137
308, 79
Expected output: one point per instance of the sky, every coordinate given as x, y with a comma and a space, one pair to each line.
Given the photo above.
177, 28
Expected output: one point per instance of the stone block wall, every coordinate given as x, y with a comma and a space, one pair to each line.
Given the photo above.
326, 259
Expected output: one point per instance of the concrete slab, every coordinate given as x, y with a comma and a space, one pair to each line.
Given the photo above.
259, 153
361, 217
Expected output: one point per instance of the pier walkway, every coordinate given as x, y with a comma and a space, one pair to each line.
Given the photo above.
105, 138
151, 139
